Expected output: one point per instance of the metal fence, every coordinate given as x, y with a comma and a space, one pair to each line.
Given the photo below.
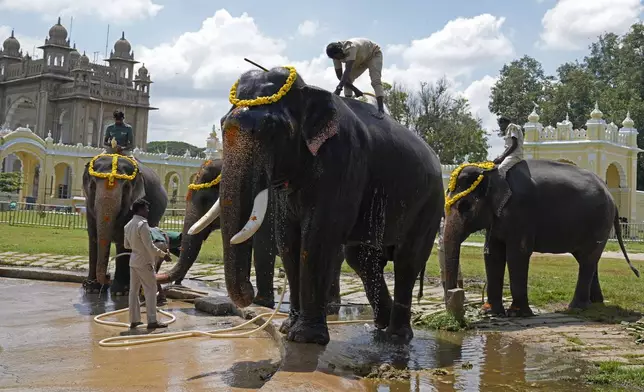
67, 217
73, 217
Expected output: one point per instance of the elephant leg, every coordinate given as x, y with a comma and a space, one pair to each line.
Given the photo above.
588, 263
91, 285
596, 295
264, 261
369, 263
288, 245
333, 305
315, 278
494, 256
518, 260
121, 284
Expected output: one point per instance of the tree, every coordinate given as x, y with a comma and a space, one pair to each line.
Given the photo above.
521, 84
10, 182
174, 148
441, 119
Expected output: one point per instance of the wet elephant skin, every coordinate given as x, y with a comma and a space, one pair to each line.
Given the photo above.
343, 177
264, 249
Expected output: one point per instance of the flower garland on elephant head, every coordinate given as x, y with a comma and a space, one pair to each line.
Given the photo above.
205, 185
113, 174
451, 186
264, 100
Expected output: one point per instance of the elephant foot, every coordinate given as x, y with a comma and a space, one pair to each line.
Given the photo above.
93, 287
579, 305
597, 298
268, 302
119, 289
333, 308
381, 320
519, 311
492, 310
309, 332
403, 333
161, 300
289, 322
178, 282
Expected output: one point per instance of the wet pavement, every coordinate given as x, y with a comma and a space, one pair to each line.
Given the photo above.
49, 342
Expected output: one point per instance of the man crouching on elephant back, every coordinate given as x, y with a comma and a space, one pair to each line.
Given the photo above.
513, 154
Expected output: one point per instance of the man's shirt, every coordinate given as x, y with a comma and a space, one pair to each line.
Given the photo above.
360, 50
122, 133
138, 238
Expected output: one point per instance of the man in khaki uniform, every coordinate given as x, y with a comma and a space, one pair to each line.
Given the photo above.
359, 54
142, 263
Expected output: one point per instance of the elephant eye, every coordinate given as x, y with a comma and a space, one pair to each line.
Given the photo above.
464, 206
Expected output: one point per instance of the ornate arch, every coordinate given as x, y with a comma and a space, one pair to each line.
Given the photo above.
621, 174
11, 111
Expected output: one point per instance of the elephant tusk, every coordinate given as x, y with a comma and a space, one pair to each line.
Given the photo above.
256, 218
207, 219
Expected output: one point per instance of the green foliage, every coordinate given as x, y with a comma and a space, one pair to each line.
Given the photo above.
442, 119
443, 321
175, 148
612, 74
10, 182
616, 374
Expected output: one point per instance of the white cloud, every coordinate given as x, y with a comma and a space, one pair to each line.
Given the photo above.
127, 10
478, 94
206, 63
308, 28
462, 45
27, 43
573, 24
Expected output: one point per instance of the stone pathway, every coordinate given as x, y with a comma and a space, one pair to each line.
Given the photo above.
559, 332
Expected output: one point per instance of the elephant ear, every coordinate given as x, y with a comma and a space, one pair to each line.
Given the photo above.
497, 191
319, 120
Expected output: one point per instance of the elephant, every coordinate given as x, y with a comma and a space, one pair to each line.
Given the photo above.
341, 176
553, 207
198, 203
108, 202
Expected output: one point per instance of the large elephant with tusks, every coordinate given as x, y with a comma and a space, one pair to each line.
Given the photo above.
342, 176
554, 207
111, 183
198, 202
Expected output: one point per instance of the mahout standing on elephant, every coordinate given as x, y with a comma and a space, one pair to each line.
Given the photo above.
342, 177
555, 207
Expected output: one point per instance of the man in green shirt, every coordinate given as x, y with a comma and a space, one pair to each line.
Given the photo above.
121, 133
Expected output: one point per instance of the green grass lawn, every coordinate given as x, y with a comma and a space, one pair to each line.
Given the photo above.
611, 246
552, 279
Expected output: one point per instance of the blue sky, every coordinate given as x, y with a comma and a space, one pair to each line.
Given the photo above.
194, 53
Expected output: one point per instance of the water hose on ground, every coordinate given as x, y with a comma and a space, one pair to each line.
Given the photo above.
125, 341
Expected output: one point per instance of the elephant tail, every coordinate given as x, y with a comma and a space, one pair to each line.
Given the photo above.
618, 234
422, 280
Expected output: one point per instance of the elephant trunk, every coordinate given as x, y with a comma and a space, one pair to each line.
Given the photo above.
190, 247
107, 212
452, 240
236, 200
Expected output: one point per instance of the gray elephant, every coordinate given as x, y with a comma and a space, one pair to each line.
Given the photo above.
109, 193
342, 176
264, 250
554, 207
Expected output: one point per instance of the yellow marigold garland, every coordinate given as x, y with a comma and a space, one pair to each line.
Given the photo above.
451, 186
113, 174
196, 187
264, 100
